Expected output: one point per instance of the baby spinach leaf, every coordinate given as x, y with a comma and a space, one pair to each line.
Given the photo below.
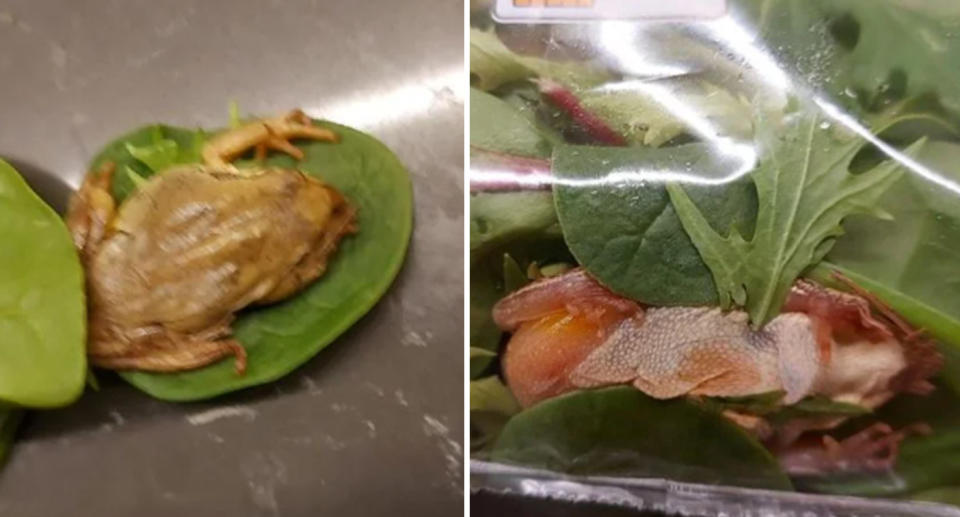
9, 422
619, 223
622, 432
804, 190
491, 406
283, 336
497, 126
42, 306
492, 64
911, 261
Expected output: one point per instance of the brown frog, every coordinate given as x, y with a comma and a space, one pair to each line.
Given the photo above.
168, 269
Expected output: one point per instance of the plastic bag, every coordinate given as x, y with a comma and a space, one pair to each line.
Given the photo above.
719, 250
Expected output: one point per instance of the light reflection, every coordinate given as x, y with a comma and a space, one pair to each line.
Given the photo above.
413, 98
618, 41
617, 38
837, 114
624, 177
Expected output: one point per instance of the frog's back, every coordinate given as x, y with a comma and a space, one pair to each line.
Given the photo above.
193, 246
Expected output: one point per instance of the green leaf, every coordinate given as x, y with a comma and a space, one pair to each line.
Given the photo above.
281, 337
911, 261
804, 191
491, 406
844, 46
523, 224
42, 304
492, 64
924, 462
642, 115
9, 422
497, 126
480, 361
947, 495
625, 231
513, 276
496, 219
622, 432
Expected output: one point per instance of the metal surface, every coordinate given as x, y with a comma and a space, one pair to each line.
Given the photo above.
372, 425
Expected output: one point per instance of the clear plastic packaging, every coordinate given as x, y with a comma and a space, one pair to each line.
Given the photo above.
718, 250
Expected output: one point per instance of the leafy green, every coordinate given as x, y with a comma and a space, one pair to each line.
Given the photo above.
521, 224
9, 422
845, 46
924, 462
491, 406
642, 116
620, 431
804, 191
770, 404
42, 306
625, 231
947, 495
496, 219
480, 361
497, 126
911, 260
280, 337
492, 64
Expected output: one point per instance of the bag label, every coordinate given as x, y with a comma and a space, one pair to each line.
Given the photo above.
553, 11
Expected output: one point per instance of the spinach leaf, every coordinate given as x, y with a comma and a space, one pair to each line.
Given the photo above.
42, 306
911, 260
281, 337
480, 361
9, 422
521, 224
491, 406
492, 64
620, 431
498, 126
619, 223
804, 191
924, 462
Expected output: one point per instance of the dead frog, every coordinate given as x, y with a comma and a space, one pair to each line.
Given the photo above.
569, 332
168, 268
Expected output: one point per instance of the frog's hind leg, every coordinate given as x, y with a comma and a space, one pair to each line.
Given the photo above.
192, 356
166, 350
271, 133
90, 210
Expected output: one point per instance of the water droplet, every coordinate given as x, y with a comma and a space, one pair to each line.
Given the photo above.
824, 125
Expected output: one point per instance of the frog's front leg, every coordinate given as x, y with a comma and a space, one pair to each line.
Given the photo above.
272, 133
91, 211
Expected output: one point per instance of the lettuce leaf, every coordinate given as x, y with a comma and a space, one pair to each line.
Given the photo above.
804, 190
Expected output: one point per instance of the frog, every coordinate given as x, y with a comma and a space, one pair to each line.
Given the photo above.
168, 268
569, 332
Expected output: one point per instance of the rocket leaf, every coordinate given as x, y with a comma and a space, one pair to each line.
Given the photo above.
804, 190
